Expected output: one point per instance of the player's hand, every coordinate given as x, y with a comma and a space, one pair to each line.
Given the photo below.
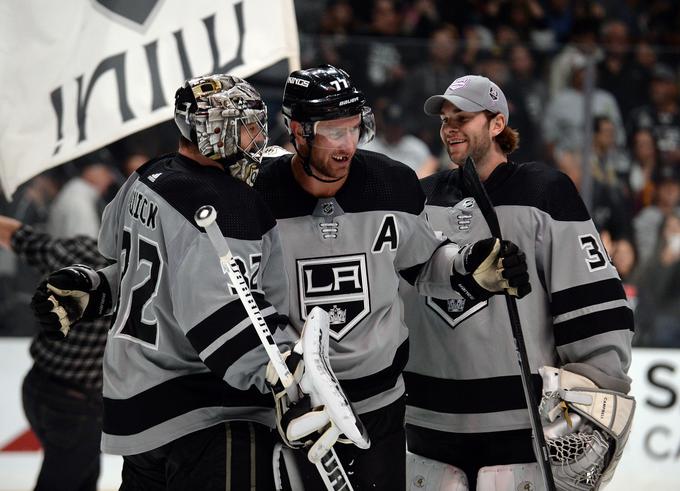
490, 266
300, 424
68, 295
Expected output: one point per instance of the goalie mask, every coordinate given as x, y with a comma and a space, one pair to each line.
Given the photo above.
325, 93
585, 427
225, 117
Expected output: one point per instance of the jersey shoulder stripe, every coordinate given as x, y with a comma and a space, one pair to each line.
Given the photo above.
186, 186
581, 296
589, 325
221, 322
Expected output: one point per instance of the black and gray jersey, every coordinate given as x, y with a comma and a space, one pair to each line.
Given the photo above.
463, 376
181, 354
345, 254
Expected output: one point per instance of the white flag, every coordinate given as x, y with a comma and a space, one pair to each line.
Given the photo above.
77, 75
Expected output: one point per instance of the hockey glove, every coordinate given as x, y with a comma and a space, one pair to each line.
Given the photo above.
68, 295
297, 421
586, 428
488, 267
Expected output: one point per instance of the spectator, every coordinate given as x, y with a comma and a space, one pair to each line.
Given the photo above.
564, 118
380, 60
527, 94
662, 116
666, 202
609, 209
421, 18
430, 77
394, 142
62, 393
610, 160
618, 72
645, 160
78, 206
582, 42
659, 309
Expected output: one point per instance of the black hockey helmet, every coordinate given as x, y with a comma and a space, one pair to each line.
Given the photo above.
323, 93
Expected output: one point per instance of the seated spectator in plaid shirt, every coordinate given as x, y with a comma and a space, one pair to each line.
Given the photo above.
62, 393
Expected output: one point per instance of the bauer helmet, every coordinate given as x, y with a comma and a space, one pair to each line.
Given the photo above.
211, 112
322, 93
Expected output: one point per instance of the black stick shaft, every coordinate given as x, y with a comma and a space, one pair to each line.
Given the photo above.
476, 189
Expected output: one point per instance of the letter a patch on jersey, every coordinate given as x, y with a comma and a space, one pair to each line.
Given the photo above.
388, 235
339, 285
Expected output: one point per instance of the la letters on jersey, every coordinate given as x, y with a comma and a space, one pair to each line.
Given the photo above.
142, 209
339, 285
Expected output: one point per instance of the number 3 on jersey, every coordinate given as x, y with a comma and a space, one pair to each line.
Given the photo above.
596, 255
135, 320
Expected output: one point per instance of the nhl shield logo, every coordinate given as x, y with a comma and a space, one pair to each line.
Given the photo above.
327, 208
339, 285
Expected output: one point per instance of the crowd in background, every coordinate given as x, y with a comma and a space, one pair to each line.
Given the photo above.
550, 57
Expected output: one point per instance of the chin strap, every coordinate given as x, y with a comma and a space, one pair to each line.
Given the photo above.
306, 163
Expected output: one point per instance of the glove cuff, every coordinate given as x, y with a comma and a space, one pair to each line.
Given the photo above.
468, 288
100, 302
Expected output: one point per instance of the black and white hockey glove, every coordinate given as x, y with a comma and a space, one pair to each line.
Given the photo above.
69, 295
488, 267
298, 422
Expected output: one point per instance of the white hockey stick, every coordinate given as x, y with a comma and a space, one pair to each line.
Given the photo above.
329, 466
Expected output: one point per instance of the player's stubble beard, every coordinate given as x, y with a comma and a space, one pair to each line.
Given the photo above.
324, 167
478, 148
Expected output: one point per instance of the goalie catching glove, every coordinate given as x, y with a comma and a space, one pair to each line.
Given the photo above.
321, 412
585, 428
488, 267
68, 295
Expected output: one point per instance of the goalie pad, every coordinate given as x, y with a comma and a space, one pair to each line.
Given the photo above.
586, 428
511, 477
423, 474
323, 413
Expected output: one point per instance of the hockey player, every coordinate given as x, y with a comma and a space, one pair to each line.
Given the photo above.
351, 221
465, 402
184, 372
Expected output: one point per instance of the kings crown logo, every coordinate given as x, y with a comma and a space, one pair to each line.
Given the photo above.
455, 304
337, 315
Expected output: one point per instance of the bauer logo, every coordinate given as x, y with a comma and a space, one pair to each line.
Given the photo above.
339, 285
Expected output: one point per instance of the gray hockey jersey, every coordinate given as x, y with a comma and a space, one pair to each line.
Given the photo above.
462, 377
345, 255
181, 354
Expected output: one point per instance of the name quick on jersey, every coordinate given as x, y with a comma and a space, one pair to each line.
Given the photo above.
143, 209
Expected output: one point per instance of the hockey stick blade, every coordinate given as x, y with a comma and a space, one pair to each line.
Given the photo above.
474, 187
334, 477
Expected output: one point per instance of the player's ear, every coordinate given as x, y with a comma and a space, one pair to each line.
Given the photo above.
296, 129
497, 125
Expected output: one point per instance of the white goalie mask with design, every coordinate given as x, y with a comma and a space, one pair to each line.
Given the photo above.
225, 117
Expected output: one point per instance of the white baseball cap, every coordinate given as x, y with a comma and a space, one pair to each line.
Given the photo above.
471, 93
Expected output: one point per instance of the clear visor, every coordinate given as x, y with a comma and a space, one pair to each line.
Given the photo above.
351, 131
